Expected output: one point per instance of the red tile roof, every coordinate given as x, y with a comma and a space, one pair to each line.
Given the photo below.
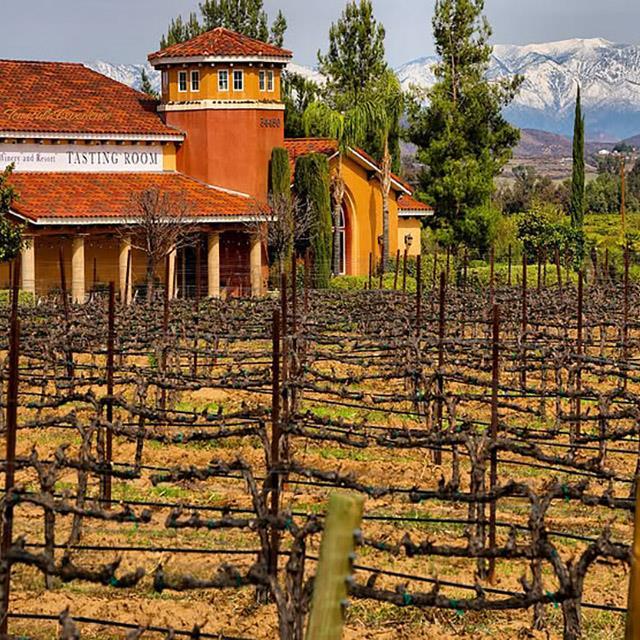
220, 42
68, 196
301, 146
409, 203
48, 97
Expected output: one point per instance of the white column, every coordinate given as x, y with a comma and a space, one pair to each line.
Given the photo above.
78, 290
28, 266
172, 274
126, 278
213, 264
256, 266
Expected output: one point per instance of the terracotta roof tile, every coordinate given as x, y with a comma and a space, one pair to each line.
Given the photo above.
301, 146
409, 203
220, 42
105, 195
59, 97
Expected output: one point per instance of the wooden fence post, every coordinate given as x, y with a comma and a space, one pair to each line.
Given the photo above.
276, 435
632, 630
437, 457
11, 441
334, 567
493, 472
111, 331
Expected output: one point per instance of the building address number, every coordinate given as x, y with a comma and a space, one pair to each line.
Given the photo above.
270, 123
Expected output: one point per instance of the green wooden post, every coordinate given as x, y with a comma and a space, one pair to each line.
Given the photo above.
334, 567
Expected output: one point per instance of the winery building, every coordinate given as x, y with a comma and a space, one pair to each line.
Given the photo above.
84, 145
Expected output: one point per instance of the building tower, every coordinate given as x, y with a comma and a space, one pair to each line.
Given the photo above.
223, 90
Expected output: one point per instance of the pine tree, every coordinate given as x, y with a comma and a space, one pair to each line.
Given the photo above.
244, 16
146, 86
356, 56
356, 70
311, 187
462, 138
577, 179
298, 93
10, 233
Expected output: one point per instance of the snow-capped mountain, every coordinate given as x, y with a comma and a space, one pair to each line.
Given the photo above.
608, 73
129, 74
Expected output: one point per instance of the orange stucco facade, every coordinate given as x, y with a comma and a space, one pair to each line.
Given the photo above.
229, 147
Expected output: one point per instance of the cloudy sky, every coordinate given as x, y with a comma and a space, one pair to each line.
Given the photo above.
126, 30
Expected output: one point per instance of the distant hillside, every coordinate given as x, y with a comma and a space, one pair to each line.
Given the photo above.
535, 143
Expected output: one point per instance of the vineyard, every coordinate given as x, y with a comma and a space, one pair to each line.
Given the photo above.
168, 466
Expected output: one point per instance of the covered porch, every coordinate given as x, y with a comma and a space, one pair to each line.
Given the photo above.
221, 262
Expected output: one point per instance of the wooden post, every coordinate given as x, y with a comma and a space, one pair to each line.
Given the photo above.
404, 271
435, 268
492, 276
111, 332
510, 266
632, 630
625, 313
127, 293
623, 193
558, 270
307, 269
525, 321
437, 458
395, 277
11, 442
65, 305
197, 306
418, 294
579, 352
370, 270
493, 473
275, 440
165, 328
330, 591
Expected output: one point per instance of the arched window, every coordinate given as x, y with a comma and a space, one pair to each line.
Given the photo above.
342, 235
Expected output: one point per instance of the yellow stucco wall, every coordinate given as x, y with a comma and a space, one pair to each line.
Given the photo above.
413, 227
209, 84
169, 157
364, 205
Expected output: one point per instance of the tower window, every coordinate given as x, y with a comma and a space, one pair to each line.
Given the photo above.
223, 80
263, 81
238, 80
195, 81
270, 82
182, 81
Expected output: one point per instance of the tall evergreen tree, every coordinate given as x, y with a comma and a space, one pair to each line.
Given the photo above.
244, 16
577, 179
462, 138
146, 86
356, 70
355, 59
298, 93
311, 186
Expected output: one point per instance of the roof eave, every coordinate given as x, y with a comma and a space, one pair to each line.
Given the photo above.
115, 220
156, 61
79, 135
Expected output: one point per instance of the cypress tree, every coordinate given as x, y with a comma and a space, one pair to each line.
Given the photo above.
280, 173
313, 192
577, 180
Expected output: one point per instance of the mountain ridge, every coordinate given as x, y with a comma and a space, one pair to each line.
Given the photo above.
608, 73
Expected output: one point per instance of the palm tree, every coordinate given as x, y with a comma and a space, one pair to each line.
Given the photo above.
389, 93
348, 128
